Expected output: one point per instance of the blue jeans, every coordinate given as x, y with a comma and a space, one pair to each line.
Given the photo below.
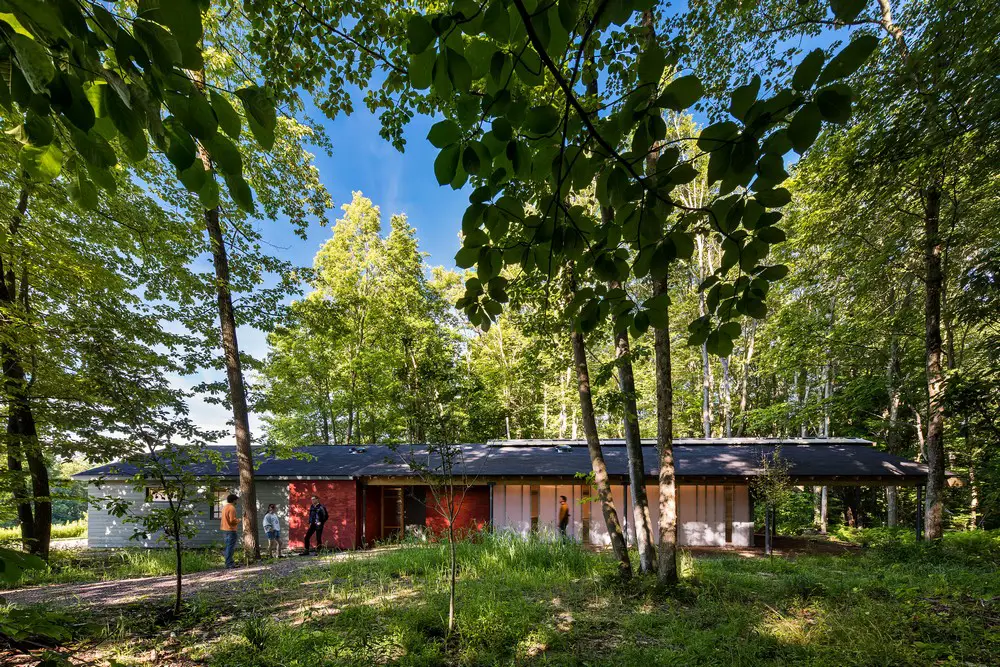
230, 542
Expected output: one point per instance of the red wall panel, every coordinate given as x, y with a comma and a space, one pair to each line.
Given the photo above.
341, 500
473, 512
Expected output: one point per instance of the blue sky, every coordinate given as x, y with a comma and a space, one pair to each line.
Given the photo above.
396, 182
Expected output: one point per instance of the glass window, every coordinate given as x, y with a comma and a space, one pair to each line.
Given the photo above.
215, 509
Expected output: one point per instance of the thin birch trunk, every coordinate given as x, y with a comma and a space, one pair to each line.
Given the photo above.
934, 499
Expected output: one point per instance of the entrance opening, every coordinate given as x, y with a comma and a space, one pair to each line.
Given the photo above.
392, 512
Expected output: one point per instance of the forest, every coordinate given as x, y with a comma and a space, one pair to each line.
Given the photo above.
770, 219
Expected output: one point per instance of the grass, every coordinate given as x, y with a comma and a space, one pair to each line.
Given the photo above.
893, 603
60, 531
81, 565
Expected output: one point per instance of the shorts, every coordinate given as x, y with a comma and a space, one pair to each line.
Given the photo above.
273, 534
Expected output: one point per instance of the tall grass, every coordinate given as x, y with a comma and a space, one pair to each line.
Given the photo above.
60, 531
532, 601
87, 566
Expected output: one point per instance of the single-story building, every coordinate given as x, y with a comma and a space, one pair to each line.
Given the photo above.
375, 492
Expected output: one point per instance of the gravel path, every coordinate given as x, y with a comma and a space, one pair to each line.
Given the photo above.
124, 591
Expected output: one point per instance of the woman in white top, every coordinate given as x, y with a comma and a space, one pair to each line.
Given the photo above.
273, 530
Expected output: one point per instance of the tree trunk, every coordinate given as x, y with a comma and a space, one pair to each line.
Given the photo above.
745, 384
178, 568
597, 456
633, 446
727, 399
934, 503
973, 498
234, 373
823, 510
34, 512
667, 570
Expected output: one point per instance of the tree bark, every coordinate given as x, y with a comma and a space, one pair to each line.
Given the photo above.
745, 383
823, 510
234, 373
633, 446
667, 563
600, 468
934, 502
34, 512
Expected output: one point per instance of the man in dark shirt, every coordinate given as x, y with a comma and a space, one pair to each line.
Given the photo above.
317, 517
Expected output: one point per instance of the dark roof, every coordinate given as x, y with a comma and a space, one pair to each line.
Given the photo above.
808, 459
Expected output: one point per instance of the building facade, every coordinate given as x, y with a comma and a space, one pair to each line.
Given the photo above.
377, 493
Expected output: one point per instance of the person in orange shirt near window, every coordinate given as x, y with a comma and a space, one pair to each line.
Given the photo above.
230, 526
563, 516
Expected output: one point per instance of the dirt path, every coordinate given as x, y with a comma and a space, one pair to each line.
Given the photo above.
124, 591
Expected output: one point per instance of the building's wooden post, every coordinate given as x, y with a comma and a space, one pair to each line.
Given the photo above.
490, 485
364, 515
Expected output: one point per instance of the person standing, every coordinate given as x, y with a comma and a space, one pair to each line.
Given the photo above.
317, 517
230, 525
563, 516
272, 528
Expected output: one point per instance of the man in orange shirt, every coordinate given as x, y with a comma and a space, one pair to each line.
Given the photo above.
230, 526
563, 516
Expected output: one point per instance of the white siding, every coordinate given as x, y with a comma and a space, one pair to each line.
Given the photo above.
107, 531
701, 512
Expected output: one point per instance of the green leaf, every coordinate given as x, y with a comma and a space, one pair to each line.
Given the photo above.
209, 193
421, 69
419, 34
743, 97
240, 191
755, 309
489, 263
161, 46
807, 71
681, 93
228, 119
542, 120
466, 258
776, 272
194, 177
260, 113
731, 330
718, 134
770, 234
225, 154
178, 144
470, 160
83, 191
834, 103
849, 60
38, 129
683, 244
444, 133
33, 61
43, 163
805, 127
847, 10
459, 71
496, 23
195, 112
651, 64
719, 344
446, 164
773, 198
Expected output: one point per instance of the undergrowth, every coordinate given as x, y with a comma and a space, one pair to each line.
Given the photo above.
541, 602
